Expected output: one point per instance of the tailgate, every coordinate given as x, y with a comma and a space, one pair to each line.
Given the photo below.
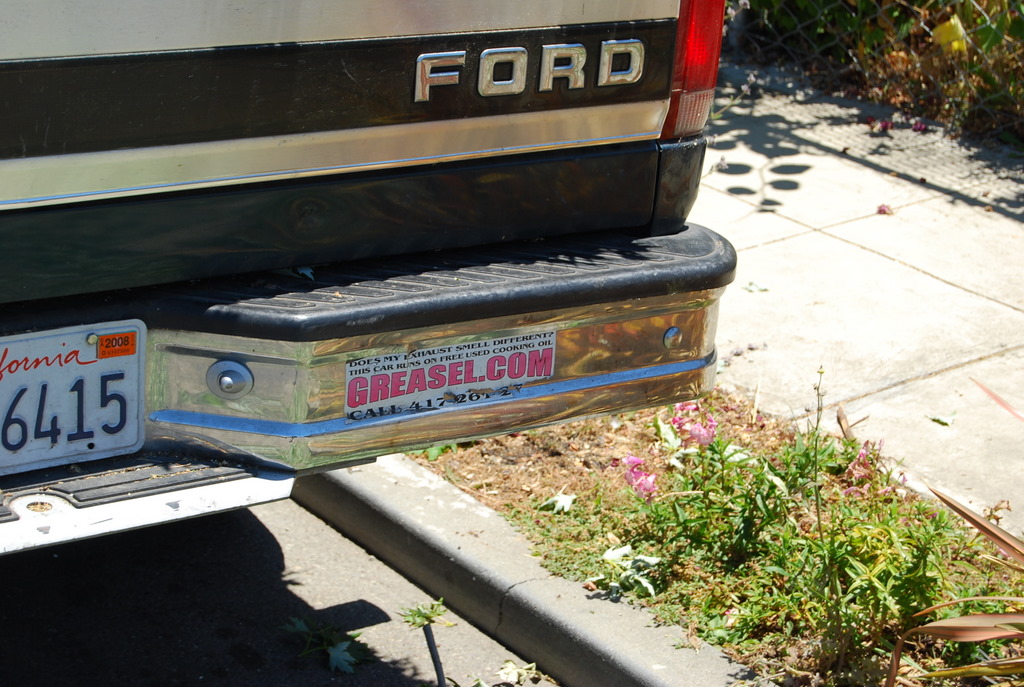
269, 134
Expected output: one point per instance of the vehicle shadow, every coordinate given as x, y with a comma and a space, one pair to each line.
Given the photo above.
188, 603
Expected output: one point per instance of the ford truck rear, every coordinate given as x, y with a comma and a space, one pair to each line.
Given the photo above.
247, 240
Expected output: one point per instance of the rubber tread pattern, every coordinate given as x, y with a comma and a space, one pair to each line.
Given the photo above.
419, 290
115, 479
349, 299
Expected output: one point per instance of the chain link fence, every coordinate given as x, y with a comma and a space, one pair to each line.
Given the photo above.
960, 63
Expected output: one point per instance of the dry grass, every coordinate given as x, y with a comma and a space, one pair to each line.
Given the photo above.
502, 471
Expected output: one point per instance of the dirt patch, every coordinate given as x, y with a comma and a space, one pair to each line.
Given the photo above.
502, 472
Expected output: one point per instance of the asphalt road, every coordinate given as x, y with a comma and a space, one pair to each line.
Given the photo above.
204, 602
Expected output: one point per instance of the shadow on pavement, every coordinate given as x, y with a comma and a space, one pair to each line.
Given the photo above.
777, 126
190, 603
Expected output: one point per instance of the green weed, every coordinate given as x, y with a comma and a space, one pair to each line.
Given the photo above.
424, 616
343, 649
803, 559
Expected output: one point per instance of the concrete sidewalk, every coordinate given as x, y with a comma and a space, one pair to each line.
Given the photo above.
901, 310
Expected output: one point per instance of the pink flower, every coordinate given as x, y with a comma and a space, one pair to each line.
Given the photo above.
633, 475
643, 485
861, 468
884, 209
629, 461
694, 430
632, 462
703, 434
642, 482
633, 470
885, 125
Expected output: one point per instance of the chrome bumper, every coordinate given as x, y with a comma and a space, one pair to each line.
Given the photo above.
299, 413
336, 400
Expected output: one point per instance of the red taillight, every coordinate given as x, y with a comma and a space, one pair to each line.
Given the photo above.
695, 68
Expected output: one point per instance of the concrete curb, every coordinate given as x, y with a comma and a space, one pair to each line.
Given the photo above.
456, 548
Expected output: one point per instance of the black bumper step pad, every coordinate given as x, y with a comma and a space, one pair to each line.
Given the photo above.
115, 479
420, 290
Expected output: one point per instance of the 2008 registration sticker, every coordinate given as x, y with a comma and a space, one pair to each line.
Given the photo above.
71, 394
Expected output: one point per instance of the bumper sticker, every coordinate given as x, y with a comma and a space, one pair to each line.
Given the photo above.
433, 378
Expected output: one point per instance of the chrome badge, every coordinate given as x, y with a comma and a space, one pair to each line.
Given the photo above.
620, 62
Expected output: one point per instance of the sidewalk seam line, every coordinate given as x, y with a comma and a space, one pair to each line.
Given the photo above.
916, 378
923, 271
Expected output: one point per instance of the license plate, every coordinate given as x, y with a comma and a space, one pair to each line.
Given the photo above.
70, 395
